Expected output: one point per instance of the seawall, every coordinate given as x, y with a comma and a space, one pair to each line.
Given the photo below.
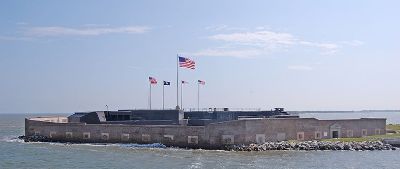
211, 136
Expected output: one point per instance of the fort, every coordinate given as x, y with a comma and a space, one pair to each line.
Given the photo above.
210, 129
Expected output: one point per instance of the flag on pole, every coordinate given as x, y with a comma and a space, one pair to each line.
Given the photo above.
152, 80
167, 83
201, 82
187, 63
184, 82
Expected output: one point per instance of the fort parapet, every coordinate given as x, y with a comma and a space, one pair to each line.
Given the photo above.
208, 130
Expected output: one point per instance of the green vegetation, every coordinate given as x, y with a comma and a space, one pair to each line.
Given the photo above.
394, 127
391, 127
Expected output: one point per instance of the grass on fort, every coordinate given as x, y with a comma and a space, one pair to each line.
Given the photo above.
393, 132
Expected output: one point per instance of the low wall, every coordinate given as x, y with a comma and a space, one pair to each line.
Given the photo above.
51, 119
214, 135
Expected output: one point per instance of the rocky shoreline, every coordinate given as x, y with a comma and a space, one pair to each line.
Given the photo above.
283, 145
313, 146
34, 138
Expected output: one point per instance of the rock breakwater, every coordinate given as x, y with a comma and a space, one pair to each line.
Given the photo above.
314, 145
283, 145
34, 138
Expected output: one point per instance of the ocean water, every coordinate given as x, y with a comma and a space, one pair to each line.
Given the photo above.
14, 153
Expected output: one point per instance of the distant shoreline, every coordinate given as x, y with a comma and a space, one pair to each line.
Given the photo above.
344, 111
291, 112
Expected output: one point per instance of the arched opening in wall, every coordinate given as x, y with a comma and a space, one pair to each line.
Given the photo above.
300, 135
68, 135
193, 139
86, 135
335, 130
105, 136
317, 135
168, 138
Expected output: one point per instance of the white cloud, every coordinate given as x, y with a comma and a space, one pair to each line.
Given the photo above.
31, 33
84, 31
224, 28
239, 53
353, 43
258, 37
261, 40
300, 67
328, 46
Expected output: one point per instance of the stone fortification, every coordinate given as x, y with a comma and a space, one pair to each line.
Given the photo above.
210, 136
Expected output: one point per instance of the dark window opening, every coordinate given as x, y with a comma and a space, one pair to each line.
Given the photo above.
335, 134
318, 135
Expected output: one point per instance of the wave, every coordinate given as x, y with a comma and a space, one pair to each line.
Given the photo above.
123, 145
11, 139
134, 145
15, 139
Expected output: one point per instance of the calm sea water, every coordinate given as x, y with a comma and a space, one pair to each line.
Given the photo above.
16, 154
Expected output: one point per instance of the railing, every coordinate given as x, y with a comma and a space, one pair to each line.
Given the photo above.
203, 109
222, 109
51, 119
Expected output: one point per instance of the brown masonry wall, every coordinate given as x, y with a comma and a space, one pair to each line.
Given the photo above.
213, 135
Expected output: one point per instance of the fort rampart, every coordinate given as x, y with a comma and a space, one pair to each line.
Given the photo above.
211, 136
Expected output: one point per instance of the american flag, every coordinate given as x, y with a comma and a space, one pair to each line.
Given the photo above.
152, 80
187, 63
201, 82
184, 82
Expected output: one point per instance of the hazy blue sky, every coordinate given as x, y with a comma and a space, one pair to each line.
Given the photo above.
66, 56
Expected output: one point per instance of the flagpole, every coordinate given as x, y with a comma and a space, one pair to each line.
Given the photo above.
198, 96
150, 96
163, 96
182, 95
177, 81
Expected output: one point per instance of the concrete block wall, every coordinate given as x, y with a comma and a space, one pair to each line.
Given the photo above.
213, 135
174, 135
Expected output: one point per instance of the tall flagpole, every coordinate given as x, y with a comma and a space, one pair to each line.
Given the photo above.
198, 96
163, 96
177, 82
182, 95
150, 96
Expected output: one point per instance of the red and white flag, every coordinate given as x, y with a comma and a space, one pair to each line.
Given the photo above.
201, 82
152, 80
187, 63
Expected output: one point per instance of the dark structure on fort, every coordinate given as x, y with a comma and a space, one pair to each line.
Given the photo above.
171, 117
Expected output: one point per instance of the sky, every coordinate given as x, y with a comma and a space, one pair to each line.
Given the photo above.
69, 56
